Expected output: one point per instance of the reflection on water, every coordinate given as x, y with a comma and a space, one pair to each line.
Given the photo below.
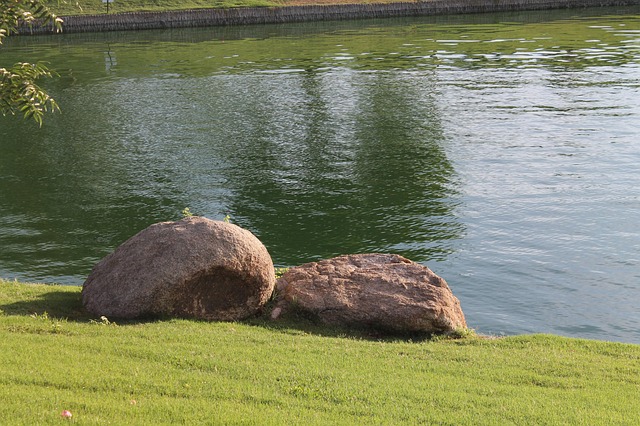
500, 150
350, 173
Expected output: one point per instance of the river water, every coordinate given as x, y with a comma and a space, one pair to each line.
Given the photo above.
501, 150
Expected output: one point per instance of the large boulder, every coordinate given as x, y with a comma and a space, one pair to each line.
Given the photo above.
381, 291
193, 268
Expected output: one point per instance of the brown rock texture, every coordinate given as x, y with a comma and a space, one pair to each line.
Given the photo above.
192, 268
381, 291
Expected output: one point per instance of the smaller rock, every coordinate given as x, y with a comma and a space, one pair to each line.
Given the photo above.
381, 291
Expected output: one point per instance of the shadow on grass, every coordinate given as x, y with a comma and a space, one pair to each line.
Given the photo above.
68, 305
64, 305
58, 304
300, 324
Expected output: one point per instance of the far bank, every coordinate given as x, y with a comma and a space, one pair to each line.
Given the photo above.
205, 17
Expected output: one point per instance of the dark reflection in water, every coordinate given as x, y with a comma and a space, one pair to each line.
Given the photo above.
70, 194
312, 173
360, 172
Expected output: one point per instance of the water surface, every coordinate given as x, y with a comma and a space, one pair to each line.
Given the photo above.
501, 150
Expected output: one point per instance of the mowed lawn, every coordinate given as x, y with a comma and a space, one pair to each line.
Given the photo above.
55, 357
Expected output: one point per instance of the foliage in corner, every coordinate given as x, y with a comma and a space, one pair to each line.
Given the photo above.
18, 89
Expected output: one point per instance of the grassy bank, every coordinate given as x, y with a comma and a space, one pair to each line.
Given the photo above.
258, 372
92, 7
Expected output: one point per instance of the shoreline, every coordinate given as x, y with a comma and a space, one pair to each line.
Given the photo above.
131, 21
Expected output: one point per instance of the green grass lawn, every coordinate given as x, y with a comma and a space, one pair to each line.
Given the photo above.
55, 357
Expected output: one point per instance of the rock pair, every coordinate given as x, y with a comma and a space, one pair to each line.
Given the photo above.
211, 270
